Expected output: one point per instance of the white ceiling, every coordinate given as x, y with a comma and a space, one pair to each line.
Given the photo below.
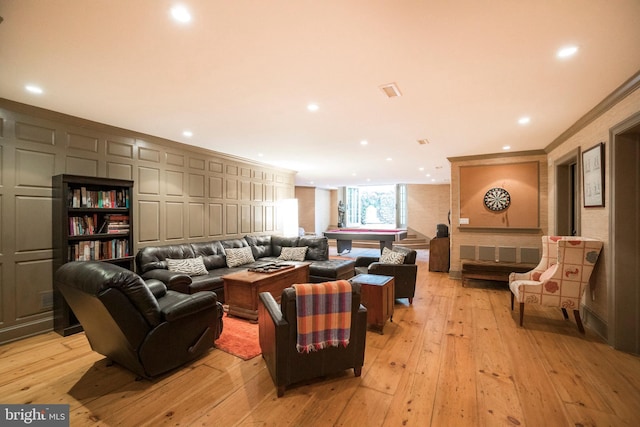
241, 74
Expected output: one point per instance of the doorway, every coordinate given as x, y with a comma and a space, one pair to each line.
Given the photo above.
568, 195
624, 231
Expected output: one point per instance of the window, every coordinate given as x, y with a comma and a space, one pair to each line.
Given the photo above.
381, 206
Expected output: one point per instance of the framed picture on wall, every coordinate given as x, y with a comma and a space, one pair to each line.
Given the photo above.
593, 176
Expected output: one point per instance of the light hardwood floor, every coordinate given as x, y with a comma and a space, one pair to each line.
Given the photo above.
456, 357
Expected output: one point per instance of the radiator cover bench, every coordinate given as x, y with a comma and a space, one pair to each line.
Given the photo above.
495, 271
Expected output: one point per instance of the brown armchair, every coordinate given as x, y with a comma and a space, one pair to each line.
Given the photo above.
405, 274
278, 339
143, 327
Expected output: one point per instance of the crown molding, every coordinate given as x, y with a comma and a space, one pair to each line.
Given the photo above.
612, 99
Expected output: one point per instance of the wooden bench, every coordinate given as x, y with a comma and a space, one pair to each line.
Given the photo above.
488, 270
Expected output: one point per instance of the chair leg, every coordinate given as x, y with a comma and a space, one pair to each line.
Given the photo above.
512, 298
410, 301
357, 371
576, 314
521, 313
565, 314
280, 390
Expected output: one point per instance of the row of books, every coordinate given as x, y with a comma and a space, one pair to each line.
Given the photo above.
98, 250
83, 198
88, 224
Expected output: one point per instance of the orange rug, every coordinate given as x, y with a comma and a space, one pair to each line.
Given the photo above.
239, 337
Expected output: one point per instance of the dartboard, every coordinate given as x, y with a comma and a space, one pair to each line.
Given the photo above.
497, 199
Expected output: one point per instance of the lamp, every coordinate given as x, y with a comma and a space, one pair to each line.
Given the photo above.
289, 217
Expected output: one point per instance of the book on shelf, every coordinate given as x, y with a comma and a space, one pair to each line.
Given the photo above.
117, 224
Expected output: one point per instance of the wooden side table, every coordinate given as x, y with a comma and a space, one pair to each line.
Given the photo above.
377, 293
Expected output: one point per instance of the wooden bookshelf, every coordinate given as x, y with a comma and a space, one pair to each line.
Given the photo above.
92, 220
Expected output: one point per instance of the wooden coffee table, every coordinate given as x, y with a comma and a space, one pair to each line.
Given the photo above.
241, 289
377, 293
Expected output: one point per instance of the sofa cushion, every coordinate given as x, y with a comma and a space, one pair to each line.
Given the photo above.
212, 254
234, 243
153, 257
318, 247
190, 266
239, 256
260, 245
293, 254
278, 242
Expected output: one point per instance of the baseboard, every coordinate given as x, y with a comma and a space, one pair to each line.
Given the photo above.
27, 329
455, 275
595, 323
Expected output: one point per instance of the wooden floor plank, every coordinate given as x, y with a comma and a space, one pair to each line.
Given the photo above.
456, 356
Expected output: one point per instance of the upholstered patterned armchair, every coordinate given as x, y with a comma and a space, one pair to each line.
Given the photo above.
560, 278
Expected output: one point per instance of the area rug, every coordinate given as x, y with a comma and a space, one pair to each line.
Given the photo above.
239, 337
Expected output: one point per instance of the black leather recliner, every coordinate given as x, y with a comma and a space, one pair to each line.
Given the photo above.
141, 326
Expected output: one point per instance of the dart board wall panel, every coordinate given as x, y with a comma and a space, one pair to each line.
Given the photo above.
519, 181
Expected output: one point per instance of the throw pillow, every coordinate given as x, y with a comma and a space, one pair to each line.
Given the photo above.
239, 256
391, 257
190, 266
293, 254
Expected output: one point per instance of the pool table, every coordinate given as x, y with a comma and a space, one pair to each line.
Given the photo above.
345, 236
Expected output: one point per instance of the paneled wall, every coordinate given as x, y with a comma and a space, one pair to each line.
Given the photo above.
181, 194
520, 240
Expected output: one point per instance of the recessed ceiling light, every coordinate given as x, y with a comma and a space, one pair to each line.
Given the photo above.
34, 89
389, 159
524, 120
421, 169
506, 147
187, 133
353, 174
364, 142
567, 51
180, 14
312, 107
428, 175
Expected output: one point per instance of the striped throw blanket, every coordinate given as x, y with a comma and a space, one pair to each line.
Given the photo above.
324, 315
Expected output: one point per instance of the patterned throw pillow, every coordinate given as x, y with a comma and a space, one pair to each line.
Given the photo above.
293, 254
190, 266
391, 257
239, 256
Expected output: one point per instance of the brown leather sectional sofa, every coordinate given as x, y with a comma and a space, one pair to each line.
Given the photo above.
151, 261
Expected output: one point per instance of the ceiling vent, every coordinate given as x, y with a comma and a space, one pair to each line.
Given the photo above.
423, 141
391, 90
